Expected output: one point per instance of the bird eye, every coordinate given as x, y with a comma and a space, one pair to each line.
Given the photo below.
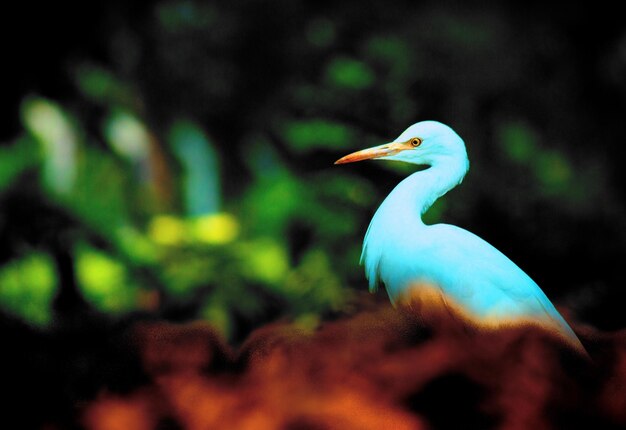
415, 142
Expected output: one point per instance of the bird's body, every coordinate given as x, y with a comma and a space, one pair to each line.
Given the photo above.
404, 254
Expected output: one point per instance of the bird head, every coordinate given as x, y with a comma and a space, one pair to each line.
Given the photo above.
424, 143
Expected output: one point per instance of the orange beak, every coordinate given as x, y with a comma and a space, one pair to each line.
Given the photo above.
375, 152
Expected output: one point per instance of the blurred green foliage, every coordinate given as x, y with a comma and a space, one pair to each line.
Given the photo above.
28, 285
189, 158
309, 135
349, 73
105, 281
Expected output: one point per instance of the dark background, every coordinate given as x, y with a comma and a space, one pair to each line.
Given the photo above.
173, 160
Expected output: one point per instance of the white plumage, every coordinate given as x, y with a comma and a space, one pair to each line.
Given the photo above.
402, 252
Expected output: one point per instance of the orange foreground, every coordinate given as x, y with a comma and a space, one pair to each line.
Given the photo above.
376, 369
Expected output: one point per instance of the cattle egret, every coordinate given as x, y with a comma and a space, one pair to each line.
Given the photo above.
464, 271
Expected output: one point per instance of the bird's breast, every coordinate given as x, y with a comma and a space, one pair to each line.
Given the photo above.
393, 251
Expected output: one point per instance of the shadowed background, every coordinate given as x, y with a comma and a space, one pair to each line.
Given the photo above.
173, 161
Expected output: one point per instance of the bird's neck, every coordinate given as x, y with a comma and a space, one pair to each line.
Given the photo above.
423, 188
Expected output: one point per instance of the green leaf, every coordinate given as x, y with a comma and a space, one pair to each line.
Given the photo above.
16, 158
518, 141
104, 281
27, 287
307, 135
103, 87
349, 73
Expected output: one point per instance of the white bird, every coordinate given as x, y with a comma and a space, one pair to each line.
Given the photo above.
465, 272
